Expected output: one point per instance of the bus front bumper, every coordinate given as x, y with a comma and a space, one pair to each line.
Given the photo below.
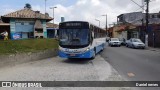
87, 54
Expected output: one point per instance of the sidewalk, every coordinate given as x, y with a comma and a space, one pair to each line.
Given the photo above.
153, 49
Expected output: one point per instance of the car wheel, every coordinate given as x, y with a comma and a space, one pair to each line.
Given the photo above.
129, 46
133, 46
126, 45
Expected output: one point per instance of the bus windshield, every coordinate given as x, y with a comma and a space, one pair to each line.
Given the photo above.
74, 37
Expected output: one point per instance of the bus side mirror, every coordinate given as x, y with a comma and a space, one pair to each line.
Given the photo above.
92, 37
92, 34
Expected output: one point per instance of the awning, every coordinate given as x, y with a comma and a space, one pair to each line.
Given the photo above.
4, 24
52, 28
121, 28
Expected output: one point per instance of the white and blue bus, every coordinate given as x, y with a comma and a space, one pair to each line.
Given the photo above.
80, 39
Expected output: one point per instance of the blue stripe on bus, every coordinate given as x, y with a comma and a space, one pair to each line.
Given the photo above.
87, 54
100, 47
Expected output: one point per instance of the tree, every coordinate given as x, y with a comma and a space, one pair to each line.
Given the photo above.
27, 5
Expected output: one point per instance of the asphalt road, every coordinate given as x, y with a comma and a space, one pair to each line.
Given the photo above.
134, 64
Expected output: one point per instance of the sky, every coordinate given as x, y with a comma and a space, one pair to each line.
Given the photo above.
81, 10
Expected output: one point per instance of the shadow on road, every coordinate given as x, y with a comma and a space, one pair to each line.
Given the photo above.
77, 61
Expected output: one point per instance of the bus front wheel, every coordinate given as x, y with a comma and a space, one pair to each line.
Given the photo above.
94, 54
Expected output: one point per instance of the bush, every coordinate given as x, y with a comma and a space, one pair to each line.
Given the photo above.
28, 45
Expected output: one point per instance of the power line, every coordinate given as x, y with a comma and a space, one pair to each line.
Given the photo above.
137, 4
141, 8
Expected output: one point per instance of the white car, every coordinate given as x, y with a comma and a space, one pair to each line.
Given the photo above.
114, 42
135, 43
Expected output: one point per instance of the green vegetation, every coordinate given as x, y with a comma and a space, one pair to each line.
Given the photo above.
28, 45
27, 5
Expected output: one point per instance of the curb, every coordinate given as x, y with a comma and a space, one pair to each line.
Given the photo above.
14, 59
153, 49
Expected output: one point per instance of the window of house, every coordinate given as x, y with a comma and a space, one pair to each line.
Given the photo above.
120, 19
22, 23
18, 23
158, 16
31, 23
26, 23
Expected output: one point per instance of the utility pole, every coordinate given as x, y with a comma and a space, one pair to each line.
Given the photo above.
147, 10
106, 24
53, 13
45, 9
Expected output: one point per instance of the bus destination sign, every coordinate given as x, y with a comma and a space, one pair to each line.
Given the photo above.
73, 24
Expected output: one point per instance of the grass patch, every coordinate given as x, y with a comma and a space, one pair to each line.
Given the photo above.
28, 45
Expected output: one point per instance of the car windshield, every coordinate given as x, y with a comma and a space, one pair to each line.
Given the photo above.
137, 40
114, 39
76, 37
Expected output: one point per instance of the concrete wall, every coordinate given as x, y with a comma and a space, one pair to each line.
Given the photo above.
123, 34
14, 59
115, 33
12, 27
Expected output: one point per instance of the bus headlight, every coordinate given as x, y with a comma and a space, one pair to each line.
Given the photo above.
87, 49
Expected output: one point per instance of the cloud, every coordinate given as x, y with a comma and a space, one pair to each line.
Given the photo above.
5, 9
89, 10
154, 6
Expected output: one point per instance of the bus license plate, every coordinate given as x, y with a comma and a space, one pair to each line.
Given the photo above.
72, 55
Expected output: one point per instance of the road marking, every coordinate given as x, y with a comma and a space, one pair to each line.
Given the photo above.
131, 74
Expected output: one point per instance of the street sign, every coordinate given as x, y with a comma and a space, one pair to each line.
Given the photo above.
16, 36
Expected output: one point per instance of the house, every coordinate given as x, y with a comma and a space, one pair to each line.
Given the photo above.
26, 23
121, 31
135, 26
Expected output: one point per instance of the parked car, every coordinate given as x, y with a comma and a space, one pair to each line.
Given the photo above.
114, 42
135, 43
123, 41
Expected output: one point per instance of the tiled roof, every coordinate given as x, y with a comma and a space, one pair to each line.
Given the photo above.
50, 25
121, 28
27, 13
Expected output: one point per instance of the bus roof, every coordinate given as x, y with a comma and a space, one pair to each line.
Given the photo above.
74, 21
82, 22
